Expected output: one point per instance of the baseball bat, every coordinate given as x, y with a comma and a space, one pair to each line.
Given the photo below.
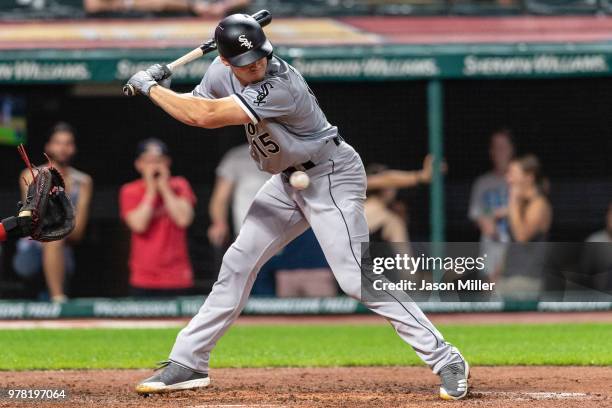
263, 17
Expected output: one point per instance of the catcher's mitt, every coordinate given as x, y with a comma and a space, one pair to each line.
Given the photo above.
46, 203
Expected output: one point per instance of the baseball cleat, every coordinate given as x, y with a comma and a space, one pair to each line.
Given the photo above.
454, 381
173, 377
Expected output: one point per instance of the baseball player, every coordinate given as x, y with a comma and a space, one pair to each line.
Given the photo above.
287, 131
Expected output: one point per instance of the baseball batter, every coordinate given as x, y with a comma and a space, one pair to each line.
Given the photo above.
287, 131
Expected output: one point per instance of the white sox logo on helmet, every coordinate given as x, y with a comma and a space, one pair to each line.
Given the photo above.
244, 42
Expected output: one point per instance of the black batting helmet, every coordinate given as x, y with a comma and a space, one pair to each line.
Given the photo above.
241, 40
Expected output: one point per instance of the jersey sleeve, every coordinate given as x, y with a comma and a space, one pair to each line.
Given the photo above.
206, 88
266, 99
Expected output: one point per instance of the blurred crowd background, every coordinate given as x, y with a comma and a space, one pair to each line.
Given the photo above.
511, 146
51, 9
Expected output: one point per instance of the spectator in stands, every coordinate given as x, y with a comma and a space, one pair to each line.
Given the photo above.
529, 211
387, 218
158, 208
489, 199
202, 8
529, 216
56, 259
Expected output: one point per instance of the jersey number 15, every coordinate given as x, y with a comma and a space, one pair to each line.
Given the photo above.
262, 143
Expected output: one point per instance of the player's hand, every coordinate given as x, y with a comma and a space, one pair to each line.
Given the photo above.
142, 81
161, 74
218, 233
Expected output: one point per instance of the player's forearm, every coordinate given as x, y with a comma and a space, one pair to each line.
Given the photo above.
189, 109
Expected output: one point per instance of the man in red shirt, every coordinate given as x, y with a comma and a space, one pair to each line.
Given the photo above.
158, 209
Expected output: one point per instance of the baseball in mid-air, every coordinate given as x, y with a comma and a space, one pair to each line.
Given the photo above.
299, 180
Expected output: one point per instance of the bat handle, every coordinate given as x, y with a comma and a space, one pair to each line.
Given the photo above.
128, 90
208, 46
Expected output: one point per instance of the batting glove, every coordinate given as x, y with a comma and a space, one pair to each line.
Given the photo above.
142, 81
159, 72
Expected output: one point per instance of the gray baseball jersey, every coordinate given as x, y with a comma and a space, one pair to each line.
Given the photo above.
288, 127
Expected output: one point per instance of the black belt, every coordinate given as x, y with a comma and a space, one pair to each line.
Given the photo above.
309, 164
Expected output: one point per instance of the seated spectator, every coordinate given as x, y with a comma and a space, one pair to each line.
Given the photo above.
489, 199
202, 8
56, 259
386, 217
529, 217
529, 211
158, 208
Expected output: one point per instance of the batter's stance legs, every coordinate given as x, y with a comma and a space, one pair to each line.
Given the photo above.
333, 206
272, 221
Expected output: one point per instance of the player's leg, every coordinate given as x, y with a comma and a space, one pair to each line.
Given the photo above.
333, 206
272, 221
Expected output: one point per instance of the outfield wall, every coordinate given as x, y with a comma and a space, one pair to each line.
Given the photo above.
189, 306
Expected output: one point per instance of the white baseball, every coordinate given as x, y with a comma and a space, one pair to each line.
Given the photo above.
299, 180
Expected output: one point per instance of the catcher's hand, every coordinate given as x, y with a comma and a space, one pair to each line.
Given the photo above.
49, 208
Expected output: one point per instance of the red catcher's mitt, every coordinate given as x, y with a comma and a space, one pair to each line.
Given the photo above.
47, 204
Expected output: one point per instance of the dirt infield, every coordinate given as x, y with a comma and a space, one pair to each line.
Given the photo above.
329, 387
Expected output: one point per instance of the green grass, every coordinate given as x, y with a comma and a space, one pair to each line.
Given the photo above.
300, 346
